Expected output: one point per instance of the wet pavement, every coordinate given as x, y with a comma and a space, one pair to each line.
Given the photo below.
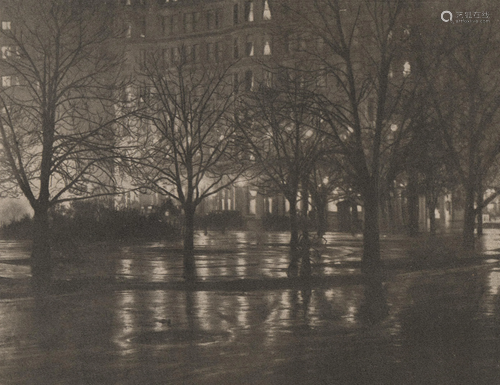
430, 326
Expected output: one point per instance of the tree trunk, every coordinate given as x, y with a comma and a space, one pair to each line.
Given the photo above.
189, 260
412, 203
41, 263
480, 202
354, 218
371, 262
469, 218
293, 267
432, 216
322, 215
305, 267
294, 225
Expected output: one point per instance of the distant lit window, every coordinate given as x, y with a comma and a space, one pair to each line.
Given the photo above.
406, 69
249, 11
267, 47
129, 94
249, 47
6, 81
6, 25
6, 52
175, 55
266, 15
321, 78
143, 27
268, 78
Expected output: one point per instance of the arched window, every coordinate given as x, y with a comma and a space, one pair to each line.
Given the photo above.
249, 11
266, 14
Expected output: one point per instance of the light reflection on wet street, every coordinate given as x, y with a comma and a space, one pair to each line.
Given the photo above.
432, 326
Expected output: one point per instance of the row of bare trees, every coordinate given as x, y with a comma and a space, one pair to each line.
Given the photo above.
364, 93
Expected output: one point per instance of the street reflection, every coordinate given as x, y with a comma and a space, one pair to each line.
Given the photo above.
440, 329
435, 326
373, 308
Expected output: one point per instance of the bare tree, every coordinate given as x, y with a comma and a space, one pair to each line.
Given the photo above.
466, 103
283, 143
359, 46
187, 147
58, 86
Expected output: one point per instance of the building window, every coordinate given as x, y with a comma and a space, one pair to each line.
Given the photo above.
249, 11
371, 109
188, 22
185, 53
266, 14
236, 83
143, 27
6, 52
236, 49
219, 51
268, 78
249, 48
195, 53
236, 14
210, 52
6, 81
320, 44
167, 25
196, 21
6, 25
218, 18
164, 57
406, 69
210, 19
175, 55
267, 47
174, 23
248, 80
144, 93
128, 94
321, 78
302, 43
142, 59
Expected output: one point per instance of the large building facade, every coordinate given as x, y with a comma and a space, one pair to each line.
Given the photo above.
200, 33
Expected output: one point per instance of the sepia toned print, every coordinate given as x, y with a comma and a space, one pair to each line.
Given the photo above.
249, 191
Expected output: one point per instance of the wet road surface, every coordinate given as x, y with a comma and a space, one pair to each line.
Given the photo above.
435, 326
